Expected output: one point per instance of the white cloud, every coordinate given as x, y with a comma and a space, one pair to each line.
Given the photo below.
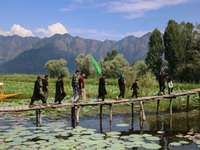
102, 35
17, 30
52, 29
138, 33
136, 8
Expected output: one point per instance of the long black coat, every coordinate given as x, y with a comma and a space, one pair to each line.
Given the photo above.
121, 84
58, 96
102, 88
36, 92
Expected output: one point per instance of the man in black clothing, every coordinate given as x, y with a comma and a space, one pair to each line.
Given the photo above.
62, 87
121, 83
37, 95
135, 87
162, 83
45, 87
102, 88
58, 96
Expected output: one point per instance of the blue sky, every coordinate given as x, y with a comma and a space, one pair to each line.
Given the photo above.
93, 19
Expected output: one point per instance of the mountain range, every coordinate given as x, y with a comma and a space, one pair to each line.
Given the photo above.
28, 55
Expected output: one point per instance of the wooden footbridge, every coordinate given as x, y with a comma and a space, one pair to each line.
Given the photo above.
75, 112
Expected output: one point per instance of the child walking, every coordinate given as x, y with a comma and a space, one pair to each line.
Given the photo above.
135, 87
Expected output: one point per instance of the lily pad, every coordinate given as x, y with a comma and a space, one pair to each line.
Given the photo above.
161, 132
175, 144
151, 146
153, 138
122, 125
9, 140
184, 142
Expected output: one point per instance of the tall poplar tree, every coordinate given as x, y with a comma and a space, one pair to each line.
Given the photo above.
154, 55
174, 48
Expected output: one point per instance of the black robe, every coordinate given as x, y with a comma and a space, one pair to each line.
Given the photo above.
162, 82
121, 87
36, 92
102, 88
58, 96
62, 88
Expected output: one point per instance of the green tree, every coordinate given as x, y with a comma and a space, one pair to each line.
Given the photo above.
110, 67
85, 64
154, 55
56, 68
111, 55
174, 48
189, 42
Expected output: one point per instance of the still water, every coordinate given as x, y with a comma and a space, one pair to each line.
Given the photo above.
18, 131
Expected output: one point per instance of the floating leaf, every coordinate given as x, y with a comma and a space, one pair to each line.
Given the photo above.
175, 144
122, 125
9, 140
151, 146
184, 142
161, 132
153, 138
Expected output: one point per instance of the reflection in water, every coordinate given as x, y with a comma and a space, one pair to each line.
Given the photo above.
172, 126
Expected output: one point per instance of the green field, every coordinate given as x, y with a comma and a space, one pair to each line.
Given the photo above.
25, 84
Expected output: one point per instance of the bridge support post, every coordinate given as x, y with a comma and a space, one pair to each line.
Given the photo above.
110, 112
132, 109
40, 116
158, 103
36, 113
199, 104
73, 116
171, 106
142, 113
77, 115
188, 98
101, 107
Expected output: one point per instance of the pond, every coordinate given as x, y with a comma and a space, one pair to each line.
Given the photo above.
179, 132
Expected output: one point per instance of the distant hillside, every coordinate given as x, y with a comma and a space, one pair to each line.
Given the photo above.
68, 47
12, 46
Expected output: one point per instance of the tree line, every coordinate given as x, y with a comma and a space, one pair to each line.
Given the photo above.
177, 52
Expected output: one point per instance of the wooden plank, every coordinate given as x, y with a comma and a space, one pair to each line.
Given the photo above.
106, 102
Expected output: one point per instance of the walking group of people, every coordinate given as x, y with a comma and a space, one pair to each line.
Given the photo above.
78, 87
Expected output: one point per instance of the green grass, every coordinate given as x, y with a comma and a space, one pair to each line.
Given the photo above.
25, 84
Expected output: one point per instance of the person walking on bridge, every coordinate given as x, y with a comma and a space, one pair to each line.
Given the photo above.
75, 84
62, 87
81, 89
58, 96
45, 87
37, 95
102, 88
121, 83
